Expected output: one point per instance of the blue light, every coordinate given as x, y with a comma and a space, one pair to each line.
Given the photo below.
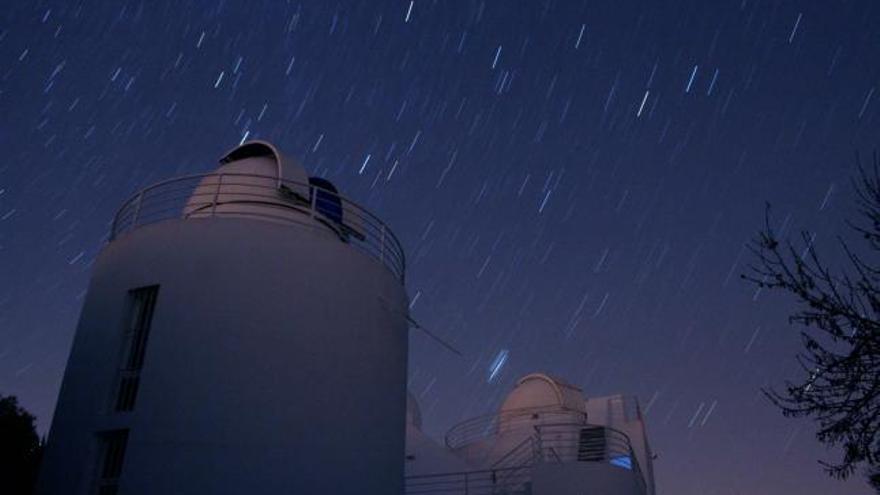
623, 461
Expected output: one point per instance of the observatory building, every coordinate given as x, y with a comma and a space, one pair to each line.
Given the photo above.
546, 439
245, 331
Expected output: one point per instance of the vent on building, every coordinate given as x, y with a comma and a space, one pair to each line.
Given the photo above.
591, 444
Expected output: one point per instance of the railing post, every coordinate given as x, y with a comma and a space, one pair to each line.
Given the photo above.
137, 209
313, 200
216, 194
465, 483
539, 444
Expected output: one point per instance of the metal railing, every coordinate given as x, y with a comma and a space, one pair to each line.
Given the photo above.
518, 462
554, 434
482, 427
523, 454
549, 443
505, 481
576, 442
265, 197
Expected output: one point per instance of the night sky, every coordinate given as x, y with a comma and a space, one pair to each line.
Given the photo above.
574, 183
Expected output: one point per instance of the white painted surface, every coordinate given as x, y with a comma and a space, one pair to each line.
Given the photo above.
247, 184
541, 390
583, 478
276, 363
624, 414
559, 411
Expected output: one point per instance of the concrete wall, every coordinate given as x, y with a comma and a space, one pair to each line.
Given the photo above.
611, 411
425, 456
276, 363
580, 478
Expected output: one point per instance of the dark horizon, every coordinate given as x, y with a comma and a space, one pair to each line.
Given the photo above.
574, 185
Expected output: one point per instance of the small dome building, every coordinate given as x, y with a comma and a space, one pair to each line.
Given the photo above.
547, 438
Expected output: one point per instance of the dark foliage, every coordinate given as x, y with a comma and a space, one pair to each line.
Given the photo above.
874, 479
20, 449
840, 384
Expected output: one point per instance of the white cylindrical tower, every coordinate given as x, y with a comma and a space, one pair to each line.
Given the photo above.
243, 332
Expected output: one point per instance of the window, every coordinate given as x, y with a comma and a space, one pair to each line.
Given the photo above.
142, 303
326, 198
110, 457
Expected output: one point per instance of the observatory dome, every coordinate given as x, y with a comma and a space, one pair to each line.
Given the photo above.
247, 184
262, 158
538, 390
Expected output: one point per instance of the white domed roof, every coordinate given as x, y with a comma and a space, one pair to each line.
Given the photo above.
541, 390
253, 180
262, 158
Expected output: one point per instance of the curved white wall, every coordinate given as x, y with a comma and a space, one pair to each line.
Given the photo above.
578, 478
276, 363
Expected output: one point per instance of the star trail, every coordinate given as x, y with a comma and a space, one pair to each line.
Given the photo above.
574, 183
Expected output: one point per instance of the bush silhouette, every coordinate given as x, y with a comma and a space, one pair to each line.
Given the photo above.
20, 449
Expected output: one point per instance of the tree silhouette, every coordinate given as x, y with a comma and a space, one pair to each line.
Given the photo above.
839, 386
20, 449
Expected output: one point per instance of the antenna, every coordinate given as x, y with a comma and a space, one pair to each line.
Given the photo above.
427, 332
413, 323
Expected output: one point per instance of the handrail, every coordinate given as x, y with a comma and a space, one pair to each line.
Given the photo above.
553, 443
265, 197
481, 427
527, 447
510, 480
567, 444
